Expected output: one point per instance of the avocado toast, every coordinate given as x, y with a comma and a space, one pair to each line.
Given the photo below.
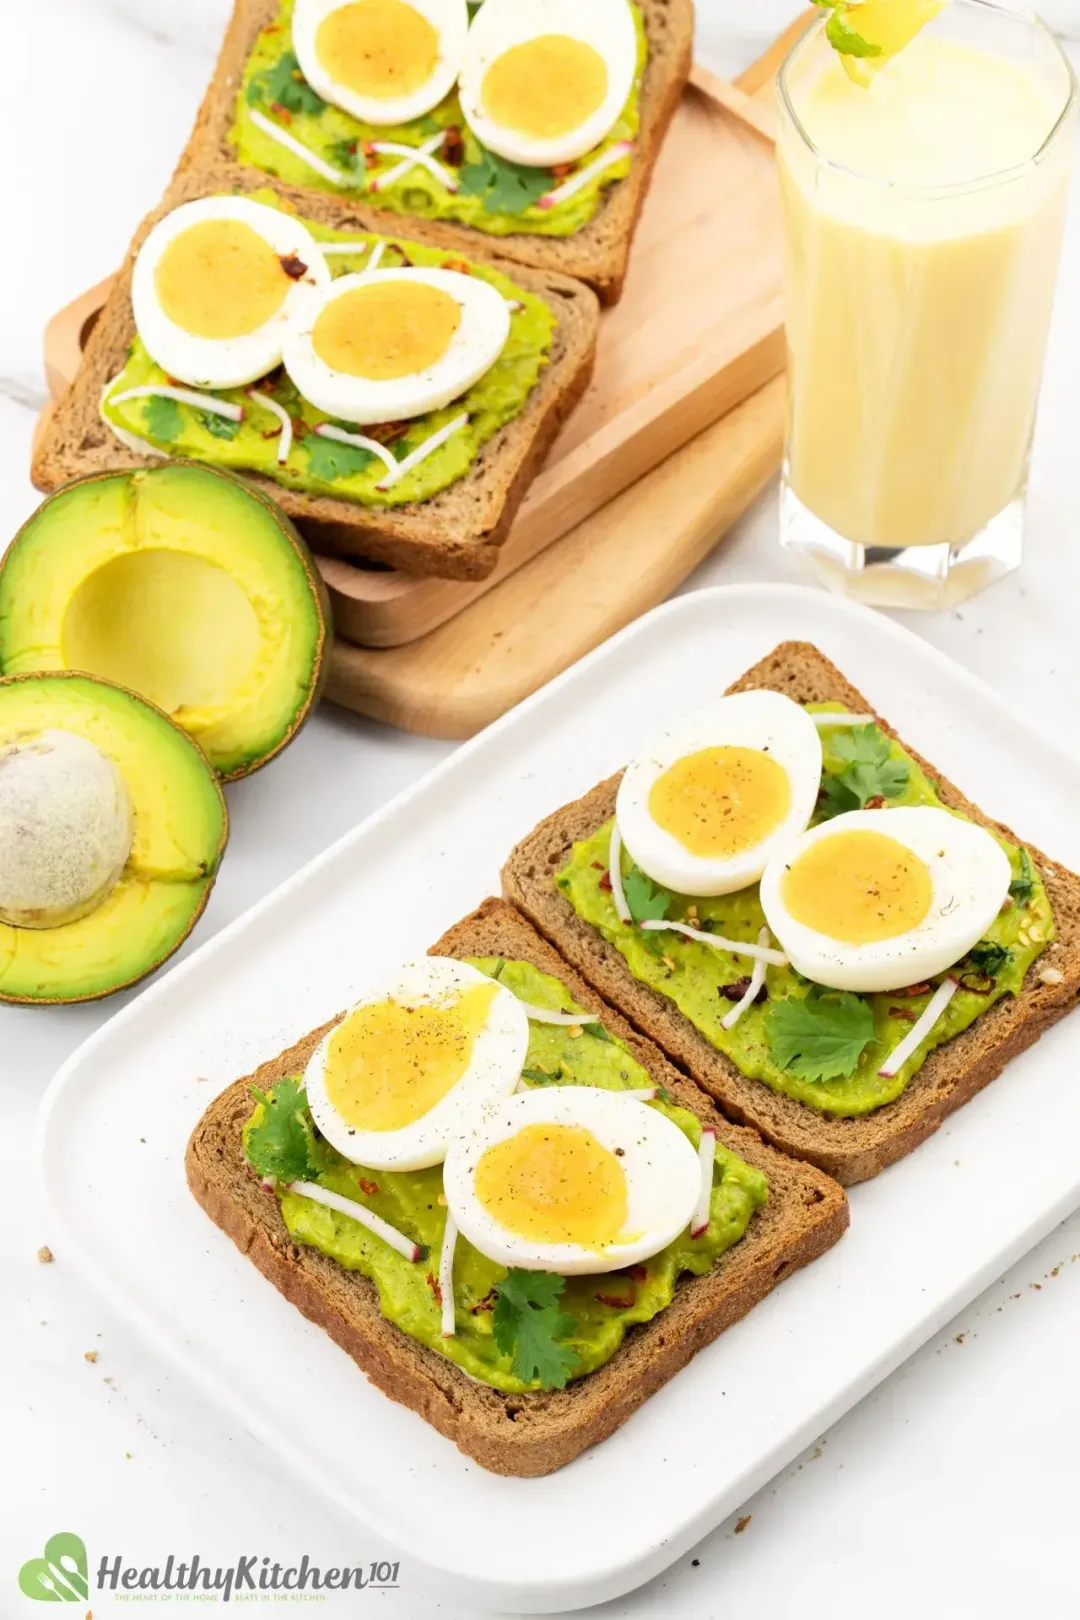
1035, 980
513, 1430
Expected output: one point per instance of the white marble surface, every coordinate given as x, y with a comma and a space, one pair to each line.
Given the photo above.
952, 1489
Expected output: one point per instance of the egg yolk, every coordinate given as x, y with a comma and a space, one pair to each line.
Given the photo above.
390, 1062
721, 801
386, 330
554, 1184
858, 887
220, 279
378, 48
545, 87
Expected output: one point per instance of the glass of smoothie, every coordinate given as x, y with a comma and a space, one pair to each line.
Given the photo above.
924, 195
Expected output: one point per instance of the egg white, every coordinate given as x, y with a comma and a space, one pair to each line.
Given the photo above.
762, 720
606, 25
221, 362
494, 1070
474, 348
969, 874
663, 1176
449, 18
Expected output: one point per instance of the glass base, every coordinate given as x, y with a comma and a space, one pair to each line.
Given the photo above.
907, 576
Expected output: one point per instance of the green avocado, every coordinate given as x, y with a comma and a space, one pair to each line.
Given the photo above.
693, 975
498, 198
321, 466
603, 1308
183, 583
112, 827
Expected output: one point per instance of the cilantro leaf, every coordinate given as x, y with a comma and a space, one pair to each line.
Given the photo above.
528, 1324
1021, 887
988, 957
504, 187
162, 418
599, 1033
283, 85
820, 1036
646, 902
222, 427
330, 460
539, 1077
282, 1145
844, 39
868, 772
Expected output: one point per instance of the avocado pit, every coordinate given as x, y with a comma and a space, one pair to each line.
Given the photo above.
66, 829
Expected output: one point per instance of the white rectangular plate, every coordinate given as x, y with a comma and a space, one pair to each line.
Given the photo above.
926, 1236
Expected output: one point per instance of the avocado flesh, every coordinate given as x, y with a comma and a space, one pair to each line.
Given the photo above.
179, 828
184, 584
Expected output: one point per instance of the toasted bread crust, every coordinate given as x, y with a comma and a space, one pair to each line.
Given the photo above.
529, 1434
455, 535
597, 254
851, 1150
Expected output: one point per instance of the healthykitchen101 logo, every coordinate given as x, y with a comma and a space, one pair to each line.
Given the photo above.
62, 1575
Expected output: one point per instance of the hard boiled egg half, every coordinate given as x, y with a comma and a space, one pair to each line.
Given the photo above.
544, 81
391, 344
881, 899
215, 283
571, 1179
385, 61
714, 799
390, 1084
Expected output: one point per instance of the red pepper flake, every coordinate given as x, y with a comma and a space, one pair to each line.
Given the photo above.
605, 883
282, 112
272, 28
876, 803
371, 157
271, 433
738, 988
742, 1523
452, 150
638, 1273
904, 1012
919, 989
485, 1304
433, 1284
293, 267
387, 433
616, 1303
561, 170
369, 1187
300, 427
461, 266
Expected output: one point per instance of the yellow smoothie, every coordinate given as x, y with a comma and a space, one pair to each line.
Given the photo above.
922, 254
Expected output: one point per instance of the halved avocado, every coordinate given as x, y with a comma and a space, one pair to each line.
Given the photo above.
108, 852
183, 583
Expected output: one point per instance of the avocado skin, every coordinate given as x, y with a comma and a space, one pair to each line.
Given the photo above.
181, 830
184, 500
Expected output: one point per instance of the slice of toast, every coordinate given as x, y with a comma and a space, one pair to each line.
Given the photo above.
455, 535
597, 254
850, 1149
529, 1434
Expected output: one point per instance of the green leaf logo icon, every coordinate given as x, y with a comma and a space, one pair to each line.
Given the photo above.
59, 1576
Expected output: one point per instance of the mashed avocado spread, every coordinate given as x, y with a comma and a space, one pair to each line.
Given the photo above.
494, 196
693, 975
323, 466
602, 1308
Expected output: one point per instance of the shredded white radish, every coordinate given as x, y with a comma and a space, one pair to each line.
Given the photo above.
699, 1221
541, 1015
376, 258
514, 305
326, 430
571, 187
737, 947
757, 979
844, 719
641, 1093
357, 247
422, 451
618, 893
446, 1276
183, 396
412, 157
920, 1029
357, 1212
285, 437
297, 148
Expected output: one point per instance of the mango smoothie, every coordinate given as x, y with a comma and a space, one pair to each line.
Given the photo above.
923, 217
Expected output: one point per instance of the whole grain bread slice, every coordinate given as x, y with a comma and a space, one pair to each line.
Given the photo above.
852, 1150
597, 254
527, 1434
455, 535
